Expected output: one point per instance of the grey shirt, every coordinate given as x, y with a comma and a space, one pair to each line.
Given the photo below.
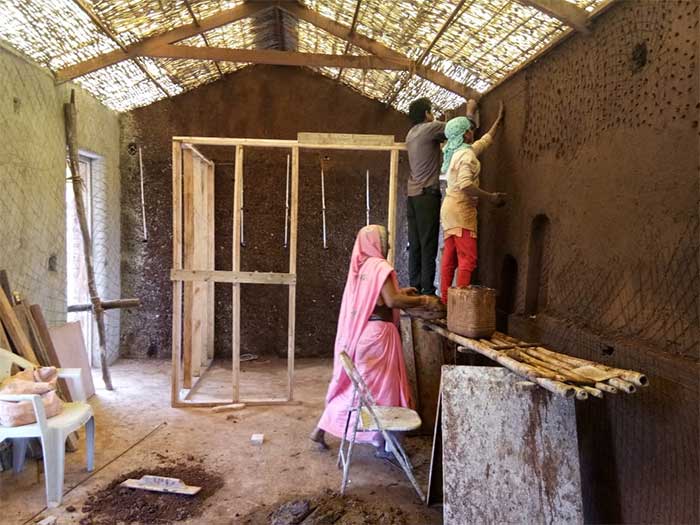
423, 145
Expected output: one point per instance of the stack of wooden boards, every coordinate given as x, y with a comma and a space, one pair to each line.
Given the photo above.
559, 373
23, 330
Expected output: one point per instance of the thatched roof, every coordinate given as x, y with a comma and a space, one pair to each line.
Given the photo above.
446, 50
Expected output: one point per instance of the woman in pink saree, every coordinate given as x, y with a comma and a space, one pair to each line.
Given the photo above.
368, 333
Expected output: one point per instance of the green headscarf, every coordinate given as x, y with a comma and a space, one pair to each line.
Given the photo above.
454, 131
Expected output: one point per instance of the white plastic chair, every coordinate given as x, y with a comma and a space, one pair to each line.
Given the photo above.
374, 418
53, 432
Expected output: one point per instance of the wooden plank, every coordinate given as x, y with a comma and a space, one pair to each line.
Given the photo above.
198, 259
174, 35
197, 153
567, 13
188, 254
236, 266
71, 353
43, 333
223, 276
429, 360
376, 48
279, 58
293, 227
211, 259
177, 265
281, 143
5, 285
393, 195
4, 341
15, 331
345, 139
27, 322
409, 358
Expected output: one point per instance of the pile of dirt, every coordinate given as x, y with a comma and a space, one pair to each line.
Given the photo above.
328, 509
115, 504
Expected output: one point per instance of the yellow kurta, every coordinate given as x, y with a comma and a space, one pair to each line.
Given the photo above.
458, 209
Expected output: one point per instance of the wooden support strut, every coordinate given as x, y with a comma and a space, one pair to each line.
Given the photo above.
71, 125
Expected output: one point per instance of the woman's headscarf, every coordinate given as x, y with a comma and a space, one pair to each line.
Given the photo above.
454, 131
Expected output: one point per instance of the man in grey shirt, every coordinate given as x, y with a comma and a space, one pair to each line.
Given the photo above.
423, 207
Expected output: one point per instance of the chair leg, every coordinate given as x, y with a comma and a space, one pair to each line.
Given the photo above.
346, 466
19, 453
403, 460
341, 457
54, 446
90, 444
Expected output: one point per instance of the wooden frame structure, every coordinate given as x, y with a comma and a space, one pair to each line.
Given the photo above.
193, 274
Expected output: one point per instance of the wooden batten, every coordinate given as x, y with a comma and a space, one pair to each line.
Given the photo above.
236, 266
177, 265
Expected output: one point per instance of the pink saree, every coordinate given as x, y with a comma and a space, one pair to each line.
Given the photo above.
374, 346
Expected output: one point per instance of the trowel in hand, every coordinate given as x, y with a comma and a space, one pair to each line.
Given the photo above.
161, 484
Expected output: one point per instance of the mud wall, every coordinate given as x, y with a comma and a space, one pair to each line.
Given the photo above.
33, 189
600, 157
259, 102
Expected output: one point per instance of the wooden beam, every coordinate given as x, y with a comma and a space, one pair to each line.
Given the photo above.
427, 50
107, 31
279, 58
284, 143
174, 35
352, 30
376, 48
204, 37
566, 12
221, 276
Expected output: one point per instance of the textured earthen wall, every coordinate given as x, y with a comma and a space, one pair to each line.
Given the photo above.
33, 188
601, 136
260, 102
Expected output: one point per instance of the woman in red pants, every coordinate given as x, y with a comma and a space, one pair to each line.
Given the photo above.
458, 212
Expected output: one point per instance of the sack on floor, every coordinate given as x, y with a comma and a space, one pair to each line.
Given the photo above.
41, 381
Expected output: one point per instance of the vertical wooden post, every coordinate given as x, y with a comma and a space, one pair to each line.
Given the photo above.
393, 191
211, 245
188, 174
236, 267
293, 270
177, 265
71, 125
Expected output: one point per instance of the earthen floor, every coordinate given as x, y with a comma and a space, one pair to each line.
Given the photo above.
137, 428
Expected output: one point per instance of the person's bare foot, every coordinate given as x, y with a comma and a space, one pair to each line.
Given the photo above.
318, 436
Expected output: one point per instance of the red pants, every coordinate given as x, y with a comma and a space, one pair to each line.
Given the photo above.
459, 253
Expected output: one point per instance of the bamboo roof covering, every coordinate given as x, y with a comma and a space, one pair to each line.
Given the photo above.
476, 43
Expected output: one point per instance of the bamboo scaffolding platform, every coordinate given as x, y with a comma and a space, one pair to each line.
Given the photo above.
561, 374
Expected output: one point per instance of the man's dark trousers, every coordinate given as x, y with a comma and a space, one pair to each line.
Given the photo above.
423, 231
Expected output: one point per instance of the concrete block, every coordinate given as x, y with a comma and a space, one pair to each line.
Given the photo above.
510, 452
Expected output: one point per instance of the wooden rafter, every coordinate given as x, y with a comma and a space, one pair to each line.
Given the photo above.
352, 30
281, 58
174, 35
107, 31
428, 49
280, 30
566, 12
204, 37
376, 48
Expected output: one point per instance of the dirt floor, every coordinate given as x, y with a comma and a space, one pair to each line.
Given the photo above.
138, 432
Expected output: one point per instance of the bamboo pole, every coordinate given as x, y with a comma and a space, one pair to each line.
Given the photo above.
71, 117
106, 305
568, 376
581, 394
630, 376
521, 369
606, 388
621, 384
593, 391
